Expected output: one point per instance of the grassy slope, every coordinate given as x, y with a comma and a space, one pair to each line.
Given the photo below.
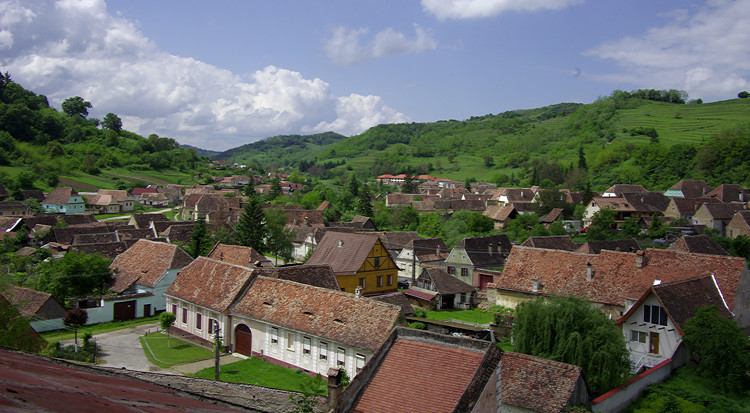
262, 373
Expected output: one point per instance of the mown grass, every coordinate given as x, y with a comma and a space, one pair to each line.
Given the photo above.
475, 315
167, 351
262, 373
687, 392
94, 329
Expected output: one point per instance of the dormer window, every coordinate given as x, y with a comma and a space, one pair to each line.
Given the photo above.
336, 320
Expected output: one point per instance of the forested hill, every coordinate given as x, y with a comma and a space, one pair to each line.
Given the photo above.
40, 145
282, 150
648, 137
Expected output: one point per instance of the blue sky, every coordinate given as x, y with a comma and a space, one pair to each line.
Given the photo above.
220, 74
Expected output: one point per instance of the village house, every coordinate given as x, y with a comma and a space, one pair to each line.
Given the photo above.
446, 292
140, 277
716, 215
477, 252
45, 313
698, 244
153, 199
100, 203
446, 373
612, 280
688, 189
418, 252
617, 190
653, 327
13, 208
359, 261
553, 242
684, 208
627, 205
500, 215
739, 225
730, 193
63, 200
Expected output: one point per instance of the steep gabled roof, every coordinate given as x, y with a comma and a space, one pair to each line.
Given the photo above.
316, 275
554, 242
450, 373
688, 206
237, 255
305, 218
537, 384
700, 244
144, 220
444, 283
619, 189
428, 249
210, 283
109, 249
338, 316
485, 250
344, 252
60, 195
722, 211
616, 276
691, 188
552, 216
398, 299
681, 299
145, 263
29, 302
648, 201
730, 193
500, 213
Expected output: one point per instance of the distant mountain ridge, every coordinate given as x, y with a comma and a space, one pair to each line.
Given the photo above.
201, 152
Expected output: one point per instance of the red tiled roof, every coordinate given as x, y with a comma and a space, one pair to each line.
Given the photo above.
237, 255
554, 242
700, 244
210, 283
616, 275
60, 196
537, 384
420, 293
316, 275
145, 263
448, 372
344, 252
358, 322
28, 301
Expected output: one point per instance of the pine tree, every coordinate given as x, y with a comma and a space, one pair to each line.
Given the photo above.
200, 240
364, 202
251, 231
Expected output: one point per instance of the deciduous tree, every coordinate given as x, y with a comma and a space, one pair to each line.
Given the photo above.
76, 106
74, 275
573, 331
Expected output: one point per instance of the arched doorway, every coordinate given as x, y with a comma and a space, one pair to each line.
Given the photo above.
243, 339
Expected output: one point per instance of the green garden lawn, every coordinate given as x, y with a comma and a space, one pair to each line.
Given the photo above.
168, 351
475, 315
94, 329
262, 373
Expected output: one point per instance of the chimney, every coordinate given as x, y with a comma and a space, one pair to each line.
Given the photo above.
334, 389
489, 250
341, 243
589, 272
437, 250
535, 285
357, 292
640, 259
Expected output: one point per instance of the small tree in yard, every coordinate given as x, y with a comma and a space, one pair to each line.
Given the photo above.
166, 319
76, 318
723, 351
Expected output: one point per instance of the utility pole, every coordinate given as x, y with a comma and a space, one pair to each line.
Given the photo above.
217, 344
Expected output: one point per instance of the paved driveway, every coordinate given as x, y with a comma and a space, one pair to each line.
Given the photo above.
123, 349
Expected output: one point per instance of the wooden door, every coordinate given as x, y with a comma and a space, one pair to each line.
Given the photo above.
243, 339
147, 310
654, 344
124, 311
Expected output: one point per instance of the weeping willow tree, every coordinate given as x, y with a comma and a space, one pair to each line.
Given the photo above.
571, 330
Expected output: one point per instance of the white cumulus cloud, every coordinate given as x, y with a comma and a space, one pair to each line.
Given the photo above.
702, 51
344, 46
473, 9
76, 48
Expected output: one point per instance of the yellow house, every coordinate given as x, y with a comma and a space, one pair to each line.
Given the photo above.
358, 260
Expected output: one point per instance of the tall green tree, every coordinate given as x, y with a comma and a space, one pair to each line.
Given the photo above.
112, 122
76, 106
573, 331
364, 202
278, 238
75, 275
275, 191
200, 239
251, 227
602, 225
410, 185
722, 349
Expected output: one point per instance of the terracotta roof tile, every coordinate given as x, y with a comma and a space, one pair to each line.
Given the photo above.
616, 275
444, 283
317, 275
28, 301
109, 249
358, 322
595, 247
210, 283
699, 244
344, 252
398, 299
145, 263
537, 384
691, 188
555, 242
237, 255
60, 195
488, 250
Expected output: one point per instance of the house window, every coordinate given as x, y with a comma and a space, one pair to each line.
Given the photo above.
360, 361
377, 262
341, 357
638, 336
174, 309
306, 344
198, 321
362, 282
390, 279
451, 270
654, 314
274, 336
290, 341
464, 272
380, 280
184, 315
323, 351
211, 322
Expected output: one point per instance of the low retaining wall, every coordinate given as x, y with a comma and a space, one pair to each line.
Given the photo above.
619, 398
